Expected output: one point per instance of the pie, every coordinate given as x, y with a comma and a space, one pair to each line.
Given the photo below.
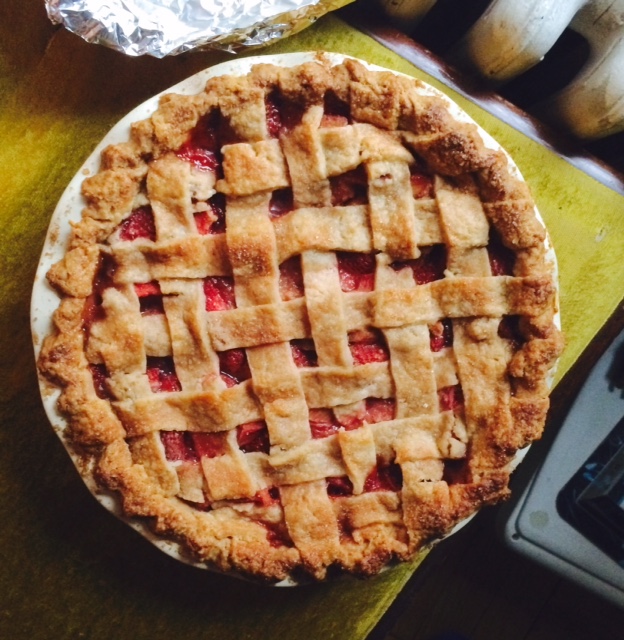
306, 320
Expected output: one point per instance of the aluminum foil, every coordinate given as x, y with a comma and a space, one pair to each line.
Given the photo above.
167, 27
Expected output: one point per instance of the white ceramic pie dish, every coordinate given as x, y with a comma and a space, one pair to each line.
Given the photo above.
45, 299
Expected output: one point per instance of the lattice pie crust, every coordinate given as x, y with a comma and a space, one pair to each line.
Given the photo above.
306, 320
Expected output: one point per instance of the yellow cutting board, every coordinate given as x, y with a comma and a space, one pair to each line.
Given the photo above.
68, 568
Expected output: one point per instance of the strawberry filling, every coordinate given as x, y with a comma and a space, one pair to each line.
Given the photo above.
356, 271
99, 375
373, 410
384, 477
273, 118
202, 147
281, 203
203, 159
139, 224
364, 353
428, 267
147, 289
277, 534
267, 497
291, 279
178, 446
219, 292
350, 188
502, 259
161, 375
303, 353
253, 436
233, 366
380, 409
441, 335
281, 115
451, 398
325, 422
422, 184
212, 221
92, 310
150, 298
368, 345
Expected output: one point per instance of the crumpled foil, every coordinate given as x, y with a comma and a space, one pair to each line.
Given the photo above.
167, 27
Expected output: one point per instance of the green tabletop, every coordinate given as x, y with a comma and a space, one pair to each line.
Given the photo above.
68, 569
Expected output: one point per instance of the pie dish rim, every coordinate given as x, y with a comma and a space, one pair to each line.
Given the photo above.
45, 298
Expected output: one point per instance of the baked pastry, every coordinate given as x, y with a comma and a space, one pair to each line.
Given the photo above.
305, 320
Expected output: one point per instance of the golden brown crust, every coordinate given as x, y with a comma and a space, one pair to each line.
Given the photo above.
451, 460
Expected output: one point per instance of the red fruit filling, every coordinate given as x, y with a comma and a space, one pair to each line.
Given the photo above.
325, 422
428, 267
190, 446
373, 410
422, 184
304, 353
99, 375
356, 271
219, 292
281, 115
380, 409
179, 446
267, 497
147, 289
202, 147
277, 534
92, 310
139, 224
212, 221
333, 106
273, 119
509, 329
253, 436
441, 335
281, 203
203, 159
502, 259
368, 345
384, 477
162, 376
233, 366
350, 188
339, 486
451, 398
150, 298
291, 279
